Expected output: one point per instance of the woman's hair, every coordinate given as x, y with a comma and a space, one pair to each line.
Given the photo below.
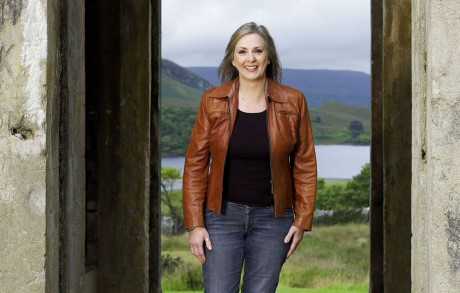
226, 69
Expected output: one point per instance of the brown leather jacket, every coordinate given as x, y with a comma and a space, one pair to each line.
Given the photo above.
292, 153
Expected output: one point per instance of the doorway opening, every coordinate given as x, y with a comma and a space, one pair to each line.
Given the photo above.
122, 241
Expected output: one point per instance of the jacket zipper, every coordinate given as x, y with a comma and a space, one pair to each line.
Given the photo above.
226, 149
269, 147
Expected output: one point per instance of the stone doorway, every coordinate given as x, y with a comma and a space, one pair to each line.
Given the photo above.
98, 52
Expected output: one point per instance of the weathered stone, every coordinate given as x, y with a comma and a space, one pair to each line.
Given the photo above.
65, 178
23, 45
436, 147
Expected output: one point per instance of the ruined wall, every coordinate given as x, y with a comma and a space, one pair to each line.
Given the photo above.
23, 50
436, 146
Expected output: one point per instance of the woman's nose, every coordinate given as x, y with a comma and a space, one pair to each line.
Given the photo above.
251, 57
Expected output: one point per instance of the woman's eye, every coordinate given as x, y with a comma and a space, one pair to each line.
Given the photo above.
259, 51
241, 52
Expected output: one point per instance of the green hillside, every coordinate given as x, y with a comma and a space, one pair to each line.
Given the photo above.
331, 124
180, 87
174, 93
181, 90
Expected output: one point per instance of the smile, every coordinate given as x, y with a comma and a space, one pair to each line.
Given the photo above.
251, 68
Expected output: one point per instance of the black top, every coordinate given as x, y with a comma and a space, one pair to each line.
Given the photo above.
247, 168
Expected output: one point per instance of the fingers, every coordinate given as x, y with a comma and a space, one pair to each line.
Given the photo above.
198, 253
289, 235
198, 238
291, 249
208, 243
295, 234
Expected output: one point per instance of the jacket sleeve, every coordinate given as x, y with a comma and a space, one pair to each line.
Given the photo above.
304, 170
195, 178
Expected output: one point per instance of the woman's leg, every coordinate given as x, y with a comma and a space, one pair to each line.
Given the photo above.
222, 269
265, 249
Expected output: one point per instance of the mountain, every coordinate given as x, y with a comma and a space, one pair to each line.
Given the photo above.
326, 92
180, 86
344, 86
184, 76
184, 86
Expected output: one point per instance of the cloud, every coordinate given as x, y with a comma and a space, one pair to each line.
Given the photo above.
332, 34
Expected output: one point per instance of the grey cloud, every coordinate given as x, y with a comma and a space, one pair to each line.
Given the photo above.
333, 34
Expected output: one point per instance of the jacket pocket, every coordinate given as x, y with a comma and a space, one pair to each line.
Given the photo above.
287, 124
219, 123
218, 114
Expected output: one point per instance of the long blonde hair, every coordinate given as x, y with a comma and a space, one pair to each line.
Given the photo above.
227, 71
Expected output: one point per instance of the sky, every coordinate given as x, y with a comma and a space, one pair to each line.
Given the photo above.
308, 34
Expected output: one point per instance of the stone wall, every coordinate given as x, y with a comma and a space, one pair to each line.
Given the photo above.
436, 146
23, 54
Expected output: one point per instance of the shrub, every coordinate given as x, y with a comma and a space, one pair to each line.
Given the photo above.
181, 276
345, 203
170, 264
343, 217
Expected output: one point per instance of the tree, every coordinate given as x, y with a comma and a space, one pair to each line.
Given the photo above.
176, 126
356, 128
353, 195
358, 189
169, 176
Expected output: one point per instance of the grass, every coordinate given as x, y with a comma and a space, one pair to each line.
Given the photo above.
329, 289
174, 93
330, 259
330, 182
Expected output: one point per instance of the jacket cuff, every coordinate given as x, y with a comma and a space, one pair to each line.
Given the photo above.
194, 222
303, 221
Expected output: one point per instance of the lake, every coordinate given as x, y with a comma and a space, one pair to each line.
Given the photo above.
334, 161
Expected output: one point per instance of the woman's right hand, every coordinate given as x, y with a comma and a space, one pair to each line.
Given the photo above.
196, 237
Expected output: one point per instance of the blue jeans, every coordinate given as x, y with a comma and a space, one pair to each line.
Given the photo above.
249, 235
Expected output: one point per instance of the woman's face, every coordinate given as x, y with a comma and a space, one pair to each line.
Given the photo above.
250, 57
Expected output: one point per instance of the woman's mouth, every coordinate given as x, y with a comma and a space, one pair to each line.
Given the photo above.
251, 68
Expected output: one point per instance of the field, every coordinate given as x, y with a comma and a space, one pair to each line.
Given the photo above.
331, 259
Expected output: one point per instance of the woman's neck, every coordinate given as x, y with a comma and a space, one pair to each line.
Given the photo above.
251, 96
252, 91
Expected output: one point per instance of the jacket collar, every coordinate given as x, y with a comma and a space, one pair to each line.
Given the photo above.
228, 89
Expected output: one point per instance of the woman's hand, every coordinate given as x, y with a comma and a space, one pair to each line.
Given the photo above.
196, 237
296, 234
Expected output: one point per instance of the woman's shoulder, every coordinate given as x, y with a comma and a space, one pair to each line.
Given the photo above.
224, 90
291, 90
284, 92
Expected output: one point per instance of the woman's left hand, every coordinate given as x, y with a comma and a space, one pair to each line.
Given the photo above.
296, 234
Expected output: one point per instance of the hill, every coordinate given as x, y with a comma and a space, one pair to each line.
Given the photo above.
344, 86
183, 87
333, 122
180, 87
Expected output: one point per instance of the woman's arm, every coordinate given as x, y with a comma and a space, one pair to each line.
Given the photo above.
304, 170
195, 179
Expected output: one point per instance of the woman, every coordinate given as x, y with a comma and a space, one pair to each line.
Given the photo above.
249, 182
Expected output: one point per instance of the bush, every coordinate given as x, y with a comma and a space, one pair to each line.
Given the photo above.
180, 276
176, 126
345, 202
343, 217
170, 264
